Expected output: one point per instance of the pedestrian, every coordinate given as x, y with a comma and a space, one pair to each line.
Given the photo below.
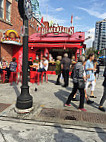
104, 94
97, 68
96, 65
85, 78
4, 64
89, 68
78, 84
30, 63
73, 62
58, 69
12, 67
65, 66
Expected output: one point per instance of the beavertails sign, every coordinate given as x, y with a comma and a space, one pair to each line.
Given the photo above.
57, 30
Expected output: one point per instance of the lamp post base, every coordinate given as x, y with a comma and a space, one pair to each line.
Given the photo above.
20, 111
25, 100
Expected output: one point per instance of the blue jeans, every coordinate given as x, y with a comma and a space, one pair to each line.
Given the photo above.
41, 70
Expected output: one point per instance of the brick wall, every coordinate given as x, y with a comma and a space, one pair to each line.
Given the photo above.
15, 23
6, 52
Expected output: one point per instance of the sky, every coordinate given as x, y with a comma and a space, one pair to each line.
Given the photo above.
85, 14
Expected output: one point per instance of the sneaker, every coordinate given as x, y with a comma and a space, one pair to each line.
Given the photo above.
67, 105
83, 109
102, 109
58, 83
65, 86
74, 99
90, 102
36, 89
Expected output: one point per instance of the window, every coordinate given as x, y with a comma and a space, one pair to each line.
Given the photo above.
8, 7
1, 8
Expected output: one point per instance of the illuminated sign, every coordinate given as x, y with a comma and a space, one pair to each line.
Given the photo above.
57, 30
11, 37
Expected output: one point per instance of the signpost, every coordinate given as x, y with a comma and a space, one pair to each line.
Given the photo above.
24, 102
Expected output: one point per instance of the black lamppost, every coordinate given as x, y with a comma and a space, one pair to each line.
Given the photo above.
25, 100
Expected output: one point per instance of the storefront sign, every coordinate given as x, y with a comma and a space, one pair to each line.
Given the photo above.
57, 30
11, 37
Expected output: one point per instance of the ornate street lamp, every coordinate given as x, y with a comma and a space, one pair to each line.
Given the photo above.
25, 101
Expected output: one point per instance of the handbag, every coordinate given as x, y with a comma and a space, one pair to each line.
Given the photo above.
81, 83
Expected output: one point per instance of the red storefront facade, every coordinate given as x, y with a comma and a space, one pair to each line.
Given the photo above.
56, 43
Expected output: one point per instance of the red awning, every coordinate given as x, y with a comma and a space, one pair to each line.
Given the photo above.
52, 40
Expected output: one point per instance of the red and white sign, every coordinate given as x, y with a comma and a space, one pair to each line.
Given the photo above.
57, 30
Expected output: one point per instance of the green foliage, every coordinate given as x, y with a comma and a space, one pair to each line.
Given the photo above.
92, 50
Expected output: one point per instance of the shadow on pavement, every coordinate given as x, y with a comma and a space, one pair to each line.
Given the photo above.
52, 81
63, 96
63, 136
16, 90
101, 134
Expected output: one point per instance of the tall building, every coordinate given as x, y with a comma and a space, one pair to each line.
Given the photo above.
100, 35
36, 9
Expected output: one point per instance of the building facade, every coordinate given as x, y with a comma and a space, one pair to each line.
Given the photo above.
100, 35
10, 28
36, 9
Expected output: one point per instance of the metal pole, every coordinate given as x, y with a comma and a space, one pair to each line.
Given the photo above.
25, 101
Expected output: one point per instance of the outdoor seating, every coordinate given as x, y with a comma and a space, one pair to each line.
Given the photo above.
35, 77
3, 76
13, 77
44, 74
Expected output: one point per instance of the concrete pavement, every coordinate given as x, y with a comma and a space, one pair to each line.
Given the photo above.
32, 128
47, 132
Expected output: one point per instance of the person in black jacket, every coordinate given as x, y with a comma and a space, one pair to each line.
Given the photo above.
104, 94
65, 66
78, 74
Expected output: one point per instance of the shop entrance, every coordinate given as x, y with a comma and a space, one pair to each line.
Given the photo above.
60, 52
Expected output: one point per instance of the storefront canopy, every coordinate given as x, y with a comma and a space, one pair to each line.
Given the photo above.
61, 40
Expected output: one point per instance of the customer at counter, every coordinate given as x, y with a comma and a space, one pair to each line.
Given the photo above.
43, 65
58, 69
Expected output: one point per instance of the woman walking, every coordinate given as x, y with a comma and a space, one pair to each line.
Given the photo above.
58, 69
78, 84
89, 68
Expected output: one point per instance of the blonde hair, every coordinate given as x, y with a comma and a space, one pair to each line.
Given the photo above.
65, 55
59, 57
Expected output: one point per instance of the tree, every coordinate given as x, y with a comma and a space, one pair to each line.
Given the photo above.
92, 50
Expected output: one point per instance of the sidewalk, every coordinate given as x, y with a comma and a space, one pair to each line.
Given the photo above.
50, 121
26, 131
50, 95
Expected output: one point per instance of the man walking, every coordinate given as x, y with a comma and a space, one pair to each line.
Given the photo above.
104, 94
65, 66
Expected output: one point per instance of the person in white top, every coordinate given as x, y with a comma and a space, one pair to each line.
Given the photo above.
44, 65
